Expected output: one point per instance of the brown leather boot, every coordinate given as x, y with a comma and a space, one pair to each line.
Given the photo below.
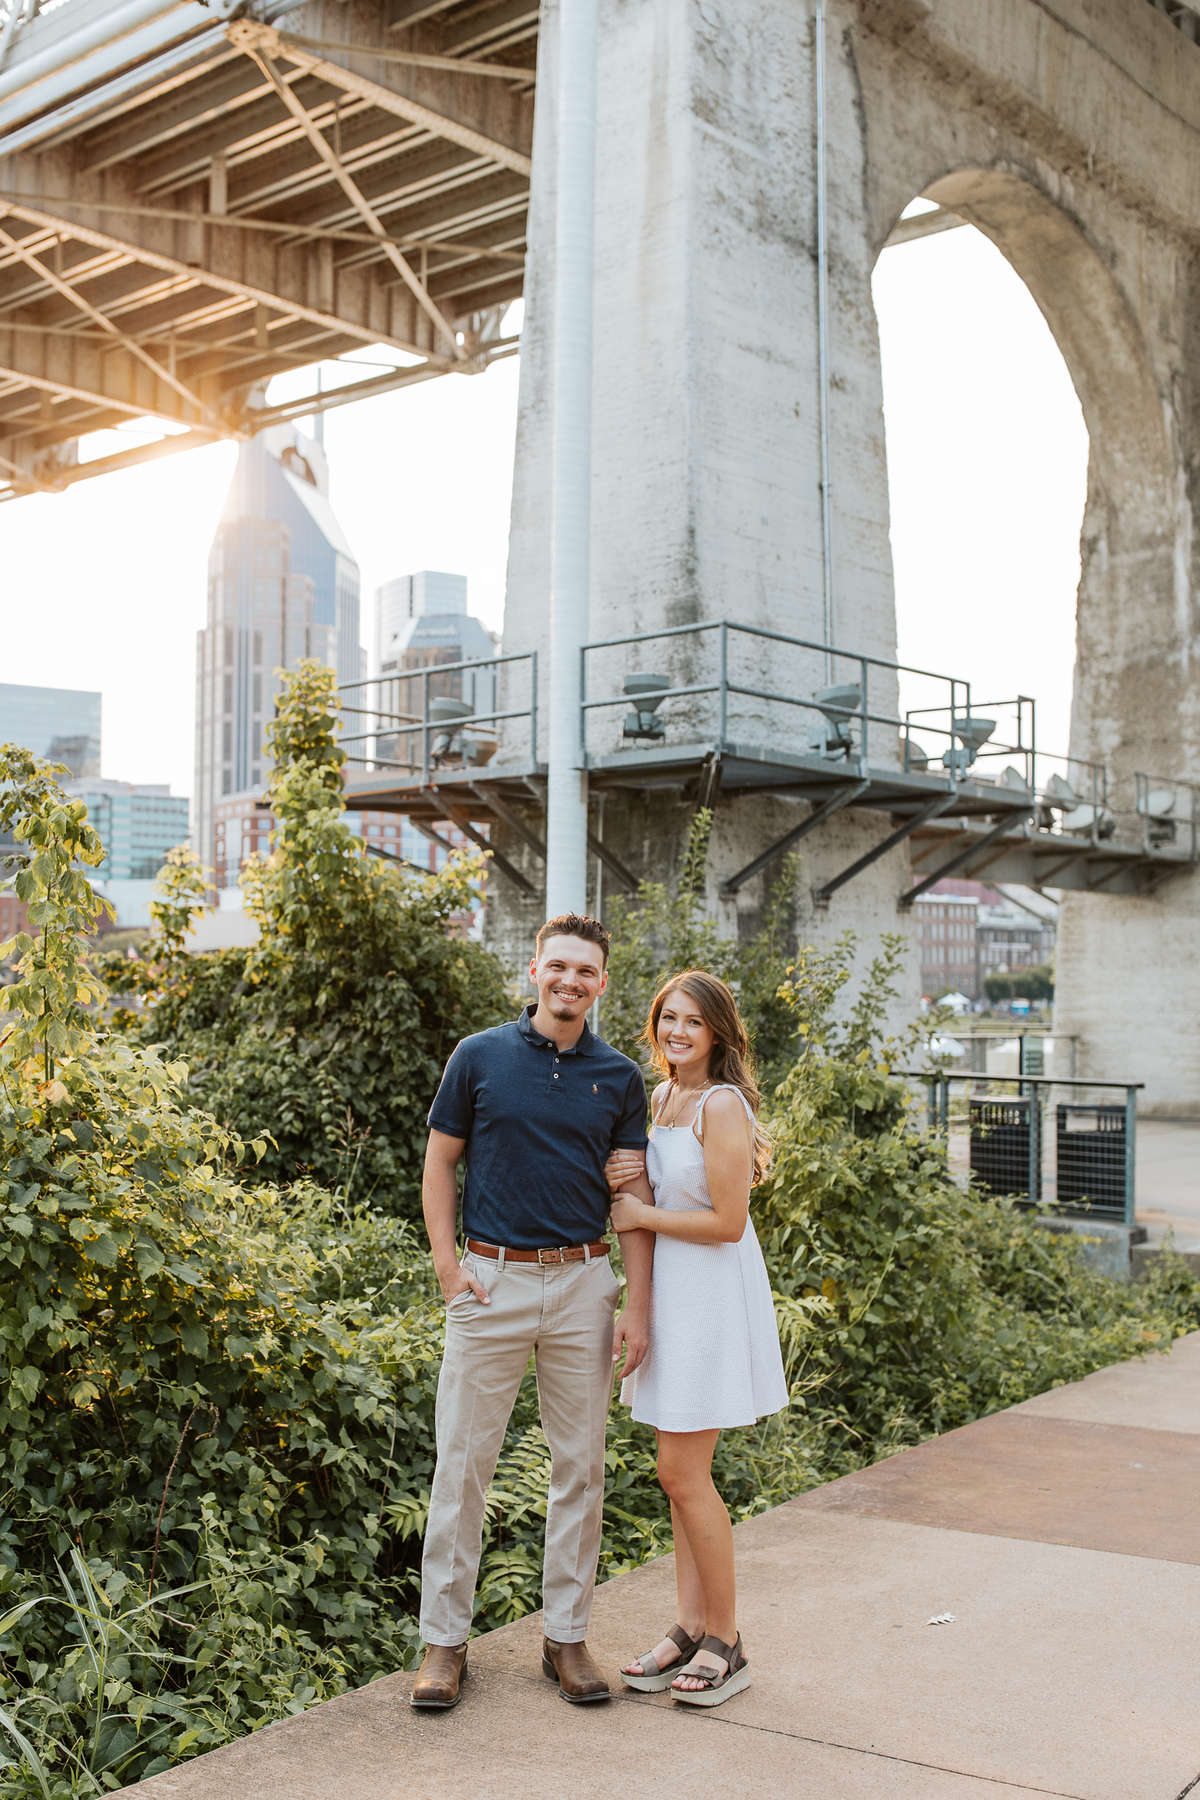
439, 1678
578, 1678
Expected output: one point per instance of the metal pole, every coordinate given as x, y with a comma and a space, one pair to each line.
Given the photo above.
594, 1020
1131, 1156
823, 343
566, 792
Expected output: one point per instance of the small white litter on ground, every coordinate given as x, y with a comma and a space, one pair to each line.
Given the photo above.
941, 1619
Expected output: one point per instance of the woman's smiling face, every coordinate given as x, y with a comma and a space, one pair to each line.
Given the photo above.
683, 1037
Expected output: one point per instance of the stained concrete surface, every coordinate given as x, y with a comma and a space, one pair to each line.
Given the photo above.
1068, 1669
1168, 1181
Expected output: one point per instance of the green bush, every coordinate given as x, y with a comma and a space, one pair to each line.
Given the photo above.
329, 1036
217, 1395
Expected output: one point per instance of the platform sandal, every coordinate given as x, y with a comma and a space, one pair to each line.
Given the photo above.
717, 1688
652, 1679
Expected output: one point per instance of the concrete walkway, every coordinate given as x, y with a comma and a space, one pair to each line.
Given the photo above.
1064, 1537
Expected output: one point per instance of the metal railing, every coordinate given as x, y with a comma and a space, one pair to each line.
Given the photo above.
1084, 1168
1065, 797
849, 741
431, 743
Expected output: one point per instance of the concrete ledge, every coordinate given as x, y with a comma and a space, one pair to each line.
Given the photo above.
1144, 1256
1105, 1247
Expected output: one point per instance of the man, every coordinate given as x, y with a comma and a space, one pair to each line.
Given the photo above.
536, 1107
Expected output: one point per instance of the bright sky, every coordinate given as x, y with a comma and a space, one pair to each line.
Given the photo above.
987, 455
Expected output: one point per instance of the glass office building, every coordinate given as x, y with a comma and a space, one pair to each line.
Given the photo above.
282, 585
137, 825
61, 724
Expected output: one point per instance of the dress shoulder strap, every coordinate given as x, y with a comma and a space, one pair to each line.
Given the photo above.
666, 1096
723, 1087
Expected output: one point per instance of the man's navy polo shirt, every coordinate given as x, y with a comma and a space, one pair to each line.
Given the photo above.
539, 1124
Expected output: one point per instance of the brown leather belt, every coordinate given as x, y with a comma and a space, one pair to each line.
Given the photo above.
567, 1253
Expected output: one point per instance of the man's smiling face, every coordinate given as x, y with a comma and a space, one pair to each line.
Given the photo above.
568, 975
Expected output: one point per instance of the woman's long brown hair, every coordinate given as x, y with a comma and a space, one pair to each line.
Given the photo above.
731, 1063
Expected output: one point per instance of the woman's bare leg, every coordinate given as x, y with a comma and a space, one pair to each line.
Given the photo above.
689, 1605
685, 1471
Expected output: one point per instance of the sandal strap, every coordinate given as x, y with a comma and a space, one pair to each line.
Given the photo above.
730, 1654
650, 1665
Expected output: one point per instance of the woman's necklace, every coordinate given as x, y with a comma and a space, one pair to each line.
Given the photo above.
677, 1090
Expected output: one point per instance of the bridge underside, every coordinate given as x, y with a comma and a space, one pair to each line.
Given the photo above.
240, 201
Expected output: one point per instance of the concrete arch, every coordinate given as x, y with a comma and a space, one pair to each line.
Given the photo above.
1134, 703
1128, 599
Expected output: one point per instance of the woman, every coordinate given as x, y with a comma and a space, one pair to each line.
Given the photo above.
714, 1360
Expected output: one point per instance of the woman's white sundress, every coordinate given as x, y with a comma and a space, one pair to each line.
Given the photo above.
714, 1360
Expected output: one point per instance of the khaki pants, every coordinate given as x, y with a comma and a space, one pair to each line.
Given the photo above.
564, 1315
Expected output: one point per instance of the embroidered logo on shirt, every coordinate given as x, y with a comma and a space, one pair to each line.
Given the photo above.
595, 1089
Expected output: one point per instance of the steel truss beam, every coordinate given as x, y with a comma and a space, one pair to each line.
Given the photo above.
843, 797
964, 856
459, 816
247, 41
942, 804
244, 222
135, 349
204, 277
419, 59
613, 864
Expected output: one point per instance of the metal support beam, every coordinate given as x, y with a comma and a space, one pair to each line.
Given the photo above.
964, 856
77, 300
709, 789
843, 797
458, 817
615, 867
24, 478
263, 41
449, 65
204, 277
435, 837
510, 818
247, 222
390, 856
245, 36
932, 811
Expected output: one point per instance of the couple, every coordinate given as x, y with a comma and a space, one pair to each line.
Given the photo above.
549, 1119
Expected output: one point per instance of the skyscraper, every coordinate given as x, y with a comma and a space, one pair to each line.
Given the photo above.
421, 622
282, 585
62, 724
408, 597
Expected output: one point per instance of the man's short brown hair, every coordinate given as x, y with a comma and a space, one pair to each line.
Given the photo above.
575, 925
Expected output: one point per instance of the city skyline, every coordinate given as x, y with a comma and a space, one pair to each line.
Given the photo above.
283, 585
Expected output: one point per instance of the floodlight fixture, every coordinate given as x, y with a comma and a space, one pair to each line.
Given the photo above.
1158, 803
840, 704
649, 691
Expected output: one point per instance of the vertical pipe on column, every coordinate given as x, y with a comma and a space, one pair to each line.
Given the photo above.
823, 340
597, 909
566, 798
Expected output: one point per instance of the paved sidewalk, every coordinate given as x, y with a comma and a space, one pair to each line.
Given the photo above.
1064, 1537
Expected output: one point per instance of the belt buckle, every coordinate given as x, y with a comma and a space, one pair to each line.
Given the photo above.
549, 1258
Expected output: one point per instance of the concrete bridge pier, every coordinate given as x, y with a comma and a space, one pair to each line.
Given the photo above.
1069, 135
706, 499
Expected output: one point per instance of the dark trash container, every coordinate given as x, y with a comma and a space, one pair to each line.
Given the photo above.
1091, 1160
1000, 1148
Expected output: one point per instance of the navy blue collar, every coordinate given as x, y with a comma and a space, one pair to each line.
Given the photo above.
585, 1047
